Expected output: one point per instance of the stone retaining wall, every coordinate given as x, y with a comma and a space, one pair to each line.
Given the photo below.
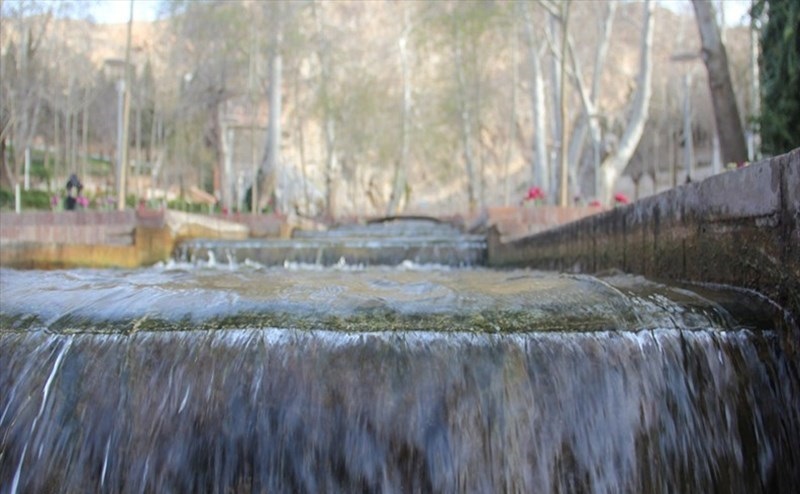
738, 228
68, 227
126, 239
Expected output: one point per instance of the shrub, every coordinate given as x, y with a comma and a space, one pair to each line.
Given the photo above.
31, 199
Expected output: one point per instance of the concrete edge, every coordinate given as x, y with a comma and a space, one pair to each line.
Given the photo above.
739, 228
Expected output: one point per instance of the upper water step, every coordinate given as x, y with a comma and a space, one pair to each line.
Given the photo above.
390, 242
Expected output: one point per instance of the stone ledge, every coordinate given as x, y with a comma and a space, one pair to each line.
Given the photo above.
738, 228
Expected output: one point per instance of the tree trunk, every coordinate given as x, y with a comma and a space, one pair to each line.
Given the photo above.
5, 120
331, 165
466, 123
563, 193
301, 144
85, 133
512, 115
251, 96
5, 172
400, 174
271, 160
329, 122
615, 163
122, 189
224, 157
540, 168
589, 100
555, 114
726, 113
138, 143
56, 146
753, 135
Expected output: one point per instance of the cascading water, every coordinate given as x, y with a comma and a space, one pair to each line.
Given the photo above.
412, 378
386, 243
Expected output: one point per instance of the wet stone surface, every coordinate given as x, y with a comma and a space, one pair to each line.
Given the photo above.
239, 377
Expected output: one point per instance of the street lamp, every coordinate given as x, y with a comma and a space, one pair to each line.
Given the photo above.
116, 68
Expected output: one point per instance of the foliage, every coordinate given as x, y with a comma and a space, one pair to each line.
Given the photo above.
40, 171
100, 167
780, 74
30, 199
189, 207
6, 199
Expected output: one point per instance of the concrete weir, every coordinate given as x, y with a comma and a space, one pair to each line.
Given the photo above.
740, 228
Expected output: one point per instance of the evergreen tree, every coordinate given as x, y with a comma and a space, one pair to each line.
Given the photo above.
780, 74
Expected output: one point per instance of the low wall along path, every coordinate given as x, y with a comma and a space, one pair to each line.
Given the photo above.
738, 228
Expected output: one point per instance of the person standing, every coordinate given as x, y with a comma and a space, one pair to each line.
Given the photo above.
74, 187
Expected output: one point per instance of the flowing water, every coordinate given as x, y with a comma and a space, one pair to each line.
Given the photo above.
382, 243
239, 377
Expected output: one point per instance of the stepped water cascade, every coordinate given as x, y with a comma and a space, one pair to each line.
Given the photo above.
238, 376
421, 240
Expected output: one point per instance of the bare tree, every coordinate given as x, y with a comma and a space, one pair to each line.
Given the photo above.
563, 193
589, 99
22, 84
540, 164
272, 152
210, 58
328, 122
614, 164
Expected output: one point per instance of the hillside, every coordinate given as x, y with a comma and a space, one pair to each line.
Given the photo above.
366, 79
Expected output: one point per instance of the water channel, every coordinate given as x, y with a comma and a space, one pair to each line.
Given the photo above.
217, 372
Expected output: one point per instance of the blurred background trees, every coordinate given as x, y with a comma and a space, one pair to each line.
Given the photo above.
342, 108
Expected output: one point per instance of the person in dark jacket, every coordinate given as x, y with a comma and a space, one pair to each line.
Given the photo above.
73, 184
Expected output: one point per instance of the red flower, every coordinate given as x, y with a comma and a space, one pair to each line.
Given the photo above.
595, 203
621, 198
534, 193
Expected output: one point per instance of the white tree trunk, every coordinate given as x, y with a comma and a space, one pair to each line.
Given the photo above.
512, 114
225, 145
328, 121
122, 189
251, 93
271, 161
466, 123
85, 133
615, 163
539, 168
589, 100
400, 174
563, 193
555, 114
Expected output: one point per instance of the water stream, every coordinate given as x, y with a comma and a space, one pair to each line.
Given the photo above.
382, 243
234, 376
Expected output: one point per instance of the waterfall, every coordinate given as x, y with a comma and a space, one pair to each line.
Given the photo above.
414, 378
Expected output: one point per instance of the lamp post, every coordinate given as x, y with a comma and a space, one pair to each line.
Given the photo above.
126, 108
116, 69
121, 155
